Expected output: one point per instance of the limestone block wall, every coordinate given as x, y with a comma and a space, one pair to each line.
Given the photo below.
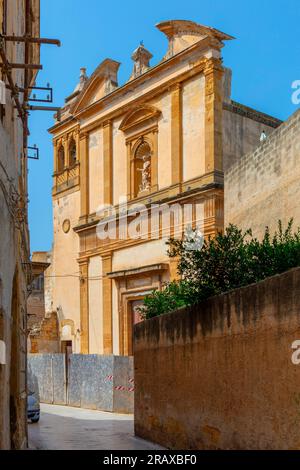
65, 299
45, 338
220, 375
263, 186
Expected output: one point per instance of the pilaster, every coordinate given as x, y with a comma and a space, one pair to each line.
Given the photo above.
84, 306
176, 133
108, 162
84, 175
107, 305
213, 72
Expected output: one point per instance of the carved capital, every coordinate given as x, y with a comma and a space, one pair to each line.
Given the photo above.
176, 87
213, 65
83, 135
107, 123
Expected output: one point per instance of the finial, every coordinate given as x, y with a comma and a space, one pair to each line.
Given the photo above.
141, 58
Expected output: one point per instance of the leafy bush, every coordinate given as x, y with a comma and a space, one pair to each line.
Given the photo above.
232, 259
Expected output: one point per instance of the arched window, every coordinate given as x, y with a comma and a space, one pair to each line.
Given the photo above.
72, 152
61, 158
142, 169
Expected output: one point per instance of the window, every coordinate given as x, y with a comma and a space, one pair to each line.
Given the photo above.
61, 159
38, 283
72, 152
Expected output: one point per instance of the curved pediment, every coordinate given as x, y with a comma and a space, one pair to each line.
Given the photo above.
139, 116
101, 83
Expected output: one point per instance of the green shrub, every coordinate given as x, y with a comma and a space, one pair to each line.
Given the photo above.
232, 259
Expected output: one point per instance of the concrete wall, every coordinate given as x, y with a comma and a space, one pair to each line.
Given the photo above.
220, 375
87, 381
263, 186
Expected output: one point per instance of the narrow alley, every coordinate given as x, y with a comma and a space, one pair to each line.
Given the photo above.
66, 428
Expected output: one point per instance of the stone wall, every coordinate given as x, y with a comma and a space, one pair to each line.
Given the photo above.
219, 375
88, 381
263, 186
14, 236
45, 337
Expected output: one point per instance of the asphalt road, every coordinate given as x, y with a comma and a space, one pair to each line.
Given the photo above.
66, 428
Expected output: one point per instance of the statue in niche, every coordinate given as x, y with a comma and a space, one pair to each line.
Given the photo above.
146, 174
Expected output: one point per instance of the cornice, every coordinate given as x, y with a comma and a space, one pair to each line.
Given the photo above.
204, 191
201, 45
251, 113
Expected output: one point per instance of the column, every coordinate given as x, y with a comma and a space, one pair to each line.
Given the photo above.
84, 306
77, 139
107, 305
55, 142
55, 164
66, 149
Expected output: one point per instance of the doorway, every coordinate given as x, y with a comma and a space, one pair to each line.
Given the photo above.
133, 317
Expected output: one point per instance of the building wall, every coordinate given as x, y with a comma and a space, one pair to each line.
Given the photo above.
119, 163
14, 240
219, 375
263, 186
241, 134
96, 194
182, 109
164, 149
95, 305
193, 122
36, 303
46, 340
66, 301
42, 324
156, 252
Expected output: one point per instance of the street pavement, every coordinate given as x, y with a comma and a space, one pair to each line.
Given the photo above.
67, 428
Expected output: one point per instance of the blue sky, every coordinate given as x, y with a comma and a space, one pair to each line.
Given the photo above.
265, 60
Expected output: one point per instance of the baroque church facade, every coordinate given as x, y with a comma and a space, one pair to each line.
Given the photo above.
163, 138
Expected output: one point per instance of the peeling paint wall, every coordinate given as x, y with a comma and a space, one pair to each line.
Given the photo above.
220, 375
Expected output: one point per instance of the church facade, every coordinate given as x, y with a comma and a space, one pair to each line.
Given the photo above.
134, 165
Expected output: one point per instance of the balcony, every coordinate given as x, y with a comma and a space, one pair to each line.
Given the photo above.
66, 179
